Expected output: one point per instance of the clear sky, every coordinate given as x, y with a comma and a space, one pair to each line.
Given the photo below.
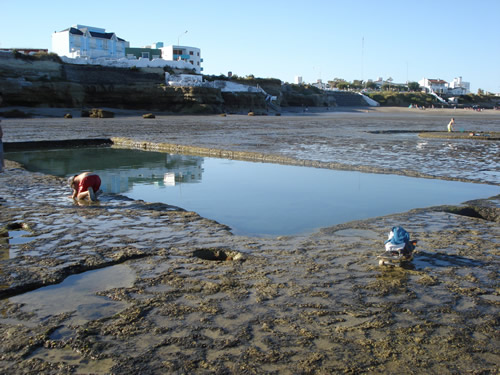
327, 39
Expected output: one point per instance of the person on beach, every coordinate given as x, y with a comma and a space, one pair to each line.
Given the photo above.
85, 186
451, 124
1, 149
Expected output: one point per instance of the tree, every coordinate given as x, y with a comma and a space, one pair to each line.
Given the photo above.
371, 85
480, 91
342, 85
413, 86
357, 84
335, 82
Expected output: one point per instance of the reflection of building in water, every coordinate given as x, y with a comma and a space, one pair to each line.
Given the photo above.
177, 169
169, 179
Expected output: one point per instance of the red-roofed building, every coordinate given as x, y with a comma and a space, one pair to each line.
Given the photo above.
26, 51
438, 86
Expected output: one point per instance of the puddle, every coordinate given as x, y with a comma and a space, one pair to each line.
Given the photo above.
17, 234
256, 199
423, 260
18, 237
77, 293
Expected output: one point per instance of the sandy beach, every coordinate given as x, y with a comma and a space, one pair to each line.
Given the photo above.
143, 287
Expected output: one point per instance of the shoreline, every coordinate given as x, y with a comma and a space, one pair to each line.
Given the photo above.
52, 112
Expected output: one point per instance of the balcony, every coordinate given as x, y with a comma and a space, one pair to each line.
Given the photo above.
183, 57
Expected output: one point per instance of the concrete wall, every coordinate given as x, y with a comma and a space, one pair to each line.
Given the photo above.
60, 43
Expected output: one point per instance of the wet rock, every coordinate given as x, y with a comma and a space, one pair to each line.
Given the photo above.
315, 303
148, 115
218, 254
15, 113
100, 113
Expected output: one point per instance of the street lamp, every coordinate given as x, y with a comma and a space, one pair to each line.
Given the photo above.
185, 32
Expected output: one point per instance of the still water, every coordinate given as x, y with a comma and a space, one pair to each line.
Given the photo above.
252, 198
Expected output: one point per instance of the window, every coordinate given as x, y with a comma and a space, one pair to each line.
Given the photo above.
104, 44
191, 53
145, 55
191, 61
198, 54
76, 40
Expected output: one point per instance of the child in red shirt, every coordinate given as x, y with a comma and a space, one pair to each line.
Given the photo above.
85, 185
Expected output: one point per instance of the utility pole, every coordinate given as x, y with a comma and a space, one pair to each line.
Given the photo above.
362, 57
185, 32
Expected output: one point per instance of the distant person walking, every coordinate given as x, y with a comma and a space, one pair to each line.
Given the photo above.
451, 125
2, 165
85, 185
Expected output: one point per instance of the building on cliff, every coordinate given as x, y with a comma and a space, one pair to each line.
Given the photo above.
457, 87
87, 41
190, 55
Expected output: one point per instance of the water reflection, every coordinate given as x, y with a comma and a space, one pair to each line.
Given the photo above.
78, 293
10, 242
119, 169
253, 198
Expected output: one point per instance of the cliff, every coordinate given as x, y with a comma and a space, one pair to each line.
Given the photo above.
48, 82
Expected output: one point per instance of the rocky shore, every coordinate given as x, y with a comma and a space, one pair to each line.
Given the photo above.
180, 293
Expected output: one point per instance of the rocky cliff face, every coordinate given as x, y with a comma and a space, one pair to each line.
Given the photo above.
50, 83
36, 83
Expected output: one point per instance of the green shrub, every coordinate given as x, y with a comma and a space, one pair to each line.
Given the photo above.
168, 69
39, 56
390, 98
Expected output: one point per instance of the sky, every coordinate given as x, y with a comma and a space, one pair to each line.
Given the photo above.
315, 39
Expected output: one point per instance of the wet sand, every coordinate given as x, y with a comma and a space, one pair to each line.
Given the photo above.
197, 299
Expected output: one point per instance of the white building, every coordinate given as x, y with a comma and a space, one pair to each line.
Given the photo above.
183, 53
459, 87
439, 86
87, 41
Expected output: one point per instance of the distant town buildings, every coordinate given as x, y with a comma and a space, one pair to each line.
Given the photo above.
439, 86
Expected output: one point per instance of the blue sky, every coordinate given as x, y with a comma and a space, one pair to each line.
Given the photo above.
361, 39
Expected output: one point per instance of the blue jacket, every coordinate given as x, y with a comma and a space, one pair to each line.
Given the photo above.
400, 235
